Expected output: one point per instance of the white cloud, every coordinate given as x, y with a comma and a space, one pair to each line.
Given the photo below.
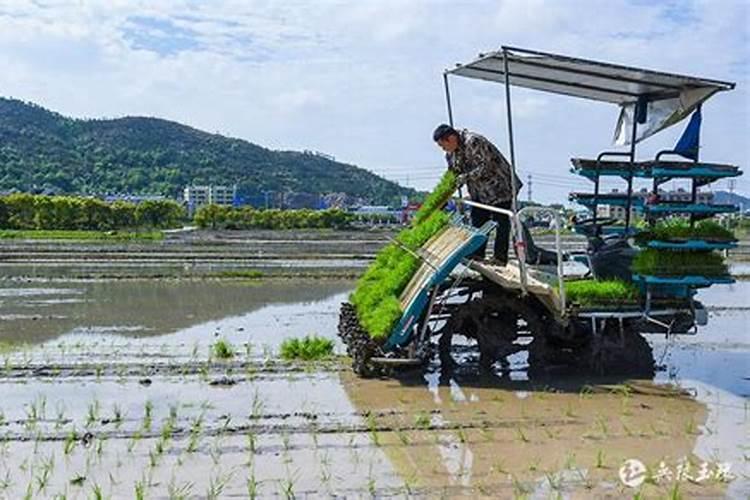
362, 79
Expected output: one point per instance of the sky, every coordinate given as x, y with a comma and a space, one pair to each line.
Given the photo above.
362, 80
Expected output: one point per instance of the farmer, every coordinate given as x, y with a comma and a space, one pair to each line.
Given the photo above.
487, 175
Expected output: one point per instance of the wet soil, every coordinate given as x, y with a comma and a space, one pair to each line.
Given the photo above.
112, 386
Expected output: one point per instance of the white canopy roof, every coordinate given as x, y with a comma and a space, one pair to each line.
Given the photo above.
671, 97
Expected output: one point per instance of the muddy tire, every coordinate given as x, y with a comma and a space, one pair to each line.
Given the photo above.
495, 320
614, 353
359, 346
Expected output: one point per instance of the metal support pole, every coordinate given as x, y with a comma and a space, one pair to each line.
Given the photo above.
629, 203
519, 244
448, 99
450, 113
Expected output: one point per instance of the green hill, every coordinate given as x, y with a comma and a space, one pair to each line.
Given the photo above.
43, 151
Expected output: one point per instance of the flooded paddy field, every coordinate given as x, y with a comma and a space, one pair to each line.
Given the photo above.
112, 388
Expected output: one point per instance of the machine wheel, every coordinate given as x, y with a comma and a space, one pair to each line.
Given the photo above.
359, 346
616, 351
496, 320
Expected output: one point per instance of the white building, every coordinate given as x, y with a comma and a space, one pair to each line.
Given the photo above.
198, 196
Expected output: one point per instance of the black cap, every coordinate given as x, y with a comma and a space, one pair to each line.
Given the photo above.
442, 131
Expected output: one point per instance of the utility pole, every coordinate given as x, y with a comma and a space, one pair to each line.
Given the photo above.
529, 192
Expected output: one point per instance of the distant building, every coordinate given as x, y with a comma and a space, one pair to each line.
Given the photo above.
198, 196
673, 196
132, 198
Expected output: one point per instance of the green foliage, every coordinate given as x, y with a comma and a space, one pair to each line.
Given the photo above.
653, 262
222, 217
679, 228
42, 150
78, 235
308, 348
594, 292
70, 213
376, 296
222, 349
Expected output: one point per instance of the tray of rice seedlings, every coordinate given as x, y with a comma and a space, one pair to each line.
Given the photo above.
602, 293
677, 263
376, 297
679, 230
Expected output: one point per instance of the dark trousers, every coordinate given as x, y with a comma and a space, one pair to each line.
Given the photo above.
502, 234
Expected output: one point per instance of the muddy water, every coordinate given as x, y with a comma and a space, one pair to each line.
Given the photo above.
114, 390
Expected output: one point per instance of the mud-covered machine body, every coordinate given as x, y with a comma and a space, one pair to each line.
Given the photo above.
529, 304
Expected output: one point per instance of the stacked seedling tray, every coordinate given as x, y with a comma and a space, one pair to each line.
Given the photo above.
681, 245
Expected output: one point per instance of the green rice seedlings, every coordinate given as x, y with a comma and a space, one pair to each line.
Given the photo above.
148, 409
602, 423
93, 413
251, 485
654, 262
257, 405
139, 490
680, 229
601, 292
600, 459
6, 482
373, 428
195, 432
522, 435
308, 348
422, 421
179, 492
96, 492
71, 438
252, 443
287, 484
223, 349
216, 485
117, 415
376, 297
42, 477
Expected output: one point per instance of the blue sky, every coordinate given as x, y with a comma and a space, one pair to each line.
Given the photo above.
361, 80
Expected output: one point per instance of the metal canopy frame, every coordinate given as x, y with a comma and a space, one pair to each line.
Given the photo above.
584, 78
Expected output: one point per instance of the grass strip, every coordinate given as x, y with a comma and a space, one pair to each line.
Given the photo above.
653, 262
376, 298
679, 229
80, 235
604, 292
308, 348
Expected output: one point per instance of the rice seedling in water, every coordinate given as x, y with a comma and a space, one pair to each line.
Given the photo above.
308, 348
252, 486
222, 349
70, 442
600, 457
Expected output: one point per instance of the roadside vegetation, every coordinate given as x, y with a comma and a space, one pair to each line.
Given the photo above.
308, 348
24, 211
67, 234
376, 298
223, 217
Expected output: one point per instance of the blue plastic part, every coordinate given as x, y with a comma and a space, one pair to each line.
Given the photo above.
692, 245
689, 208
619, 201
606, 230
401, 334
699, 170
690, 281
